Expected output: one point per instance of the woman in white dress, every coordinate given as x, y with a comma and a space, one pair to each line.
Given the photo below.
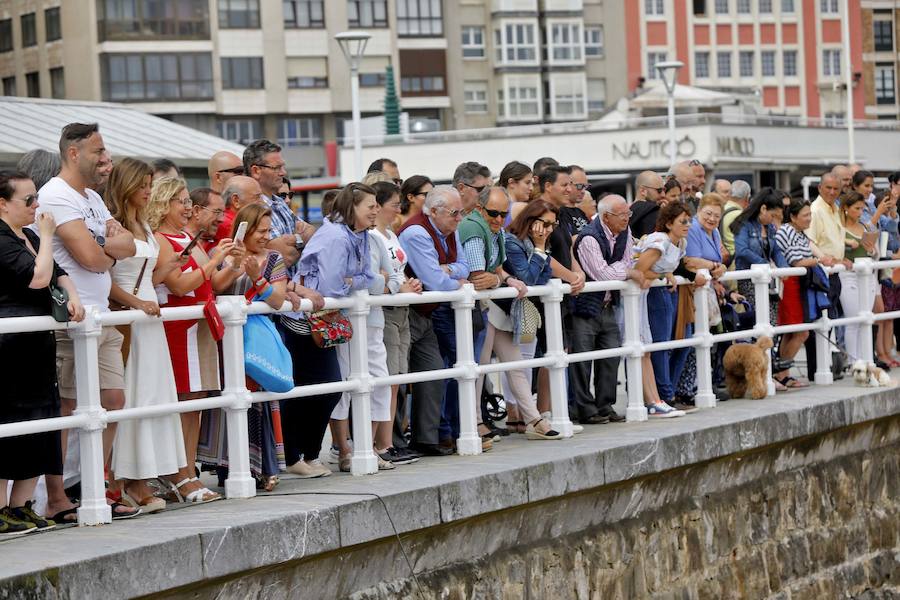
150, 447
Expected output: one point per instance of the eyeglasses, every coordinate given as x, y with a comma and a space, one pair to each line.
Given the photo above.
218, 212
706, 214
658, 190
30, 199
188, 203
627, 214
289, 195
273, 167
684, 221
493, 214
477, 188
236, 170
580, 186
549, 224
453, 213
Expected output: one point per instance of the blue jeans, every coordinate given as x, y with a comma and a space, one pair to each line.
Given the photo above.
445, 329
662, 304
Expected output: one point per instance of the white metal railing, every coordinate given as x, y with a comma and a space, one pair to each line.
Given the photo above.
91, 418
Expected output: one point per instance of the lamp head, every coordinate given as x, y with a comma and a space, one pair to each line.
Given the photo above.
353, 45
668, 71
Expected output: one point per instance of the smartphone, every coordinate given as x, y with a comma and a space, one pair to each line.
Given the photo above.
194, 241
241, 232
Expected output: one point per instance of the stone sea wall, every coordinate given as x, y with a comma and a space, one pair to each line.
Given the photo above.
815, 517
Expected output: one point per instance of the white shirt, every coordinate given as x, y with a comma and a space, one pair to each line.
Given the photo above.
66, 204
392, 242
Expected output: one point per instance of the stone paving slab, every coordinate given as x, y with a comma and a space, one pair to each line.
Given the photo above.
307, 517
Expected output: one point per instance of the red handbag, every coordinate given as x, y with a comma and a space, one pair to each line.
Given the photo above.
214, 319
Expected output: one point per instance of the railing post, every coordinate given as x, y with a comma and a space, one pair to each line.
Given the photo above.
631, 298
705, 397
469, 441
864, 268
761, 276
363, 460
559, 399
240, 483
823, 375
93, 509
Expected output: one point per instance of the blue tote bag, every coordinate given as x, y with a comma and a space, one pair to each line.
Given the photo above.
266, 359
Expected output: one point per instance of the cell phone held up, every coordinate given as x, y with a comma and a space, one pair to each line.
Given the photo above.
190, 247
240, 233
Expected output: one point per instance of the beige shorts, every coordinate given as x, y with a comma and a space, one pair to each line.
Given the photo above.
109, 351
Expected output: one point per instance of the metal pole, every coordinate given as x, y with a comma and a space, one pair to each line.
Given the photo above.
705, 396
363, 460
848, 78
559, 401
240, 483
865, 276
354, 100
631, 300
673, 148
469, 442
762, 275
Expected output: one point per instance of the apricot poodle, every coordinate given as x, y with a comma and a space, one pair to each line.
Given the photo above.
746, 369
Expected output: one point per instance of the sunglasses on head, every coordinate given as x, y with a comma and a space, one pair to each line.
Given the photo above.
235, 170
496, 213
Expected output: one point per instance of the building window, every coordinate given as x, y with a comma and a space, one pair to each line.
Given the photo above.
524, 101
241, 131
9, 86
831, 62
367, 13
884, 84
789, 58
372, 80
242, 73
746, 63
51, 24
565, 41
596, 94
475, 97
515, 43
6, 41
830, 7
652, 59
29, 30
304, 14
157, 77
787, 6
654, 7
701, 65
723, 64
884, 36
302, 83
238, 14
767, 63
743, 7
593, 40
423, 84
472, 42
765, 7
152, 19
419, 18
57, 83
568, 97
33, 84
722, 7
300, 131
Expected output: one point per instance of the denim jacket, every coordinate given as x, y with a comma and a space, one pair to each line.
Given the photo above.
748, 247
523, 263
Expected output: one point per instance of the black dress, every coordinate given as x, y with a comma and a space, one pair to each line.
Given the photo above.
28, 364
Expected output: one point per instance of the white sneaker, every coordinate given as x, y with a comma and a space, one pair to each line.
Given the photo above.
334, 456
663, 411
576, 428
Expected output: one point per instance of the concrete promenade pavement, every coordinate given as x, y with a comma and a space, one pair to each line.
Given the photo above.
302, 518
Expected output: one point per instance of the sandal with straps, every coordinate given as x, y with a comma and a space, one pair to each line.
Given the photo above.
201, 495
532, 433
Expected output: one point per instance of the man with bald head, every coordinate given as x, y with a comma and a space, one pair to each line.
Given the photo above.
686, 175
650, 195
221, 167
699, 172
844, 176
604, 250
722, 187
240, 191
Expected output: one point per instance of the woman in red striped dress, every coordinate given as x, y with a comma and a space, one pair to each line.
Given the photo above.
194, 352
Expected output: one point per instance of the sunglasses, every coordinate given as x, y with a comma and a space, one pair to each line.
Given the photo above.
549, 224
235, 170
658, 190
30, 199
289, 195
580, 186
452, 213
477, 188
496, 213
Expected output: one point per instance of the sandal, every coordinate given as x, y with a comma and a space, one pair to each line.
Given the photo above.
267, 484
63, 516
148, 505
201, 495
791, 383
531, 433
121, 512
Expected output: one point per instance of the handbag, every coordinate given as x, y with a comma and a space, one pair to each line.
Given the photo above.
214, 319
531, 321
330, 328
715, 313
59, 301
266, 358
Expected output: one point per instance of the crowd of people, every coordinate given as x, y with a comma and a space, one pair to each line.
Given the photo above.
77, 230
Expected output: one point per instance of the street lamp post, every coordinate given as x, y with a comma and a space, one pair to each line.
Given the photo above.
848, 62
353, 45
668, 71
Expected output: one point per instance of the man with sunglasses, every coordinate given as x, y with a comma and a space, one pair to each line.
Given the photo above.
650, 194
469, 179
221, 167
571, 216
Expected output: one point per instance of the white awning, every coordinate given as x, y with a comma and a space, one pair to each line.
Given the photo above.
685, 97
31, 123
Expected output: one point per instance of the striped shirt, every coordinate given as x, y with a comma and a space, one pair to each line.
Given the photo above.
284, 222
794, 245
474, 251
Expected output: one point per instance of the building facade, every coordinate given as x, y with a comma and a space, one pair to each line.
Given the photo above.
790, 53
881, 57
245, 69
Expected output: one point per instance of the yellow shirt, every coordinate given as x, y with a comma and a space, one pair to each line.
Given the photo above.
729, 213
826, 229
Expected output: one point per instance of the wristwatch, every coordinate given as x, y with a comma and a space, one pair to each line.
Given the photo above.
101, 241
298, 242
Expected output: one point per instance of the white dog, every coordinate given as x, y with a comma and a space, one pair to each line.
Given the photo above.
868, 375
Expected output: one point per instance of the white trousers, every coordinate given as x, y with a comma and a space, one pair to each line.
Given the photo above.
381, 395
850, 304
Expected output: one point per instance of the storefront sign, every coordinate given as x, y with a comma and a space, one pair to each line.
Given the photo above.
736, 146
648, 149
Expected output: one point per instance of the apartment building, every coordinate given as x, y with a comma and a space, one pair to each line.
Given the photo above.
881, 57
788, 52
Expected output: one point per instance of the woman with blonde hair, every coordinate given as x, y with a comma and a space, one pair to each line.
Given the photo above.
192, 347
150, 447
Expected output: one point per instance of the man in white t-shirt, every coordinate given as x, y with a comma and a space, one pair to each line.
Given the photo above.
87, 243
